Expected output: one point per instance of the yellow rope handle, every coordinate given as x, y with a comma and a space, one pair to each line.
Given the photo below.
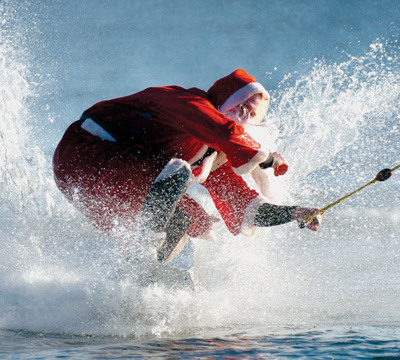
305, 221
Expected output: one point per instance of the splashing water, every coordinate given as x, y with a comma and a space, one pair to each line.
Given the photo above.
57, 274
343, 113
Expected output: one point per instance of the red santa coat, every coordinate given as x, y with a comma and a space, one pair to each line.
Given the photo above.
109, 180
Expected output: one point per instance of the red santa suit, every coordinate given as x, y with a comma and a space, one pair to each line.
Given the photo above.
107, 160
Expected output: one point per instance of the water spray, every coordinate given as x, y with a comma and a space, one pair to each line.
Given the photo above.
382, 175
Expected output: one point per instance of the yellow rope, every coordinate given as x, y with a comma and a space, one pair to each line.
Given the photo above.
395, 168
309, 218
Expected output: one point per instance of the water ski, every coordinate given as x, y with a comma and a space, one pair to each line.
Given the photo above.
145, 270
175, 272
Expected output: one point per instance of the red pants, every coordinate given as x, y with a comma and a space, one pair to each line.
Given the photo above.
109, 182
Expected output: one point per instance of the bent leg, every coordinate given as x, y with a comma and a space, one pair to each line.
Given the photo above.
176, 236
188, 220
164, 195
106, 181
231, 195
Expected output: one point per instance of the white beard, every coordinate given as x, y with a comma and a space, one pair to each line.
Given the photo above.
239, 120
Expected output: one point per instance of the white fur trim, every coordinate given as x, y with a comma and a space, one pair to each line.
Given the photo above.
199, 155
173, 166
242, 95
206, 166
248, 228
258, 158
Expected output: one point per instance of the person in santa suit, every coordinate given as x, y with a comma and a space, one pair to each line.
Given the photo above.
131, 159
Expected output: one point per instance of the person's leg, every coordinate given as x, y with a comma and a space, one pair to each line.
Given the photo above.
164, 195
188, 220
160, 213
231, 195
176, 236
115, 188
105, 180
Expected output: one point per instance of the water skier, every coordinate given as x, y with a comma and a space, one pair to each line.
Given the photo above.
130, 160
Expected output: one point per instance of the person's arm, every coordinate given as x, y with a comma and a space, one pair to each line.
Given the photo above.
196, 116
276, 161
271, 215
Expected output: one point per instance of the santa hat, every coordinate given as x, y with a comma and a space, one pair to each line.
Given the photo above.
234, 89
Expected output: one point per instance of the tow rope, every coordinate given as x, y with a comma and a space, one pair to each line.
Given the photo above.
382, 175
